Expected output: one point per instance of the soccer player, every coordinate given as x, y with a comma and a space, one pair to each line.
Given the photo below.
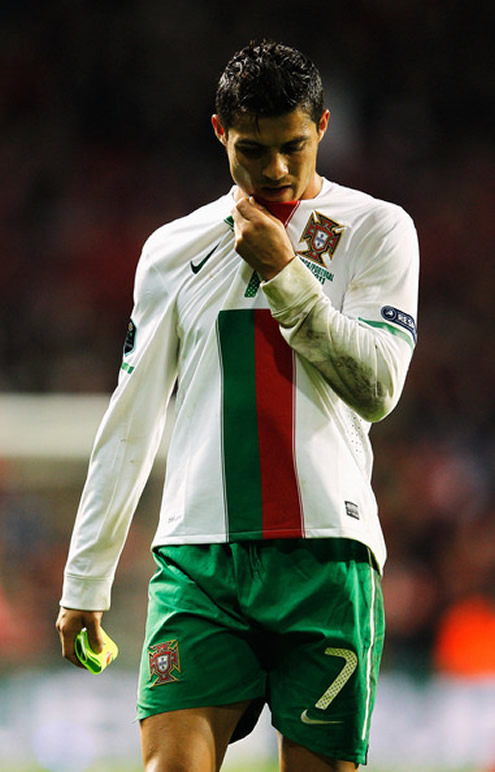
285, 313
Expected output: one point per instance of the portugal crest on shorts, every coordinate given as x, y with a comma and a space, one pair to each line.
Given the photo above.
322, 236
164, 662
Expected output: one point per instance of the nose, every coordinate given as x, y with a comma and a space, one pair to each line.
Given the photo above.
276, 167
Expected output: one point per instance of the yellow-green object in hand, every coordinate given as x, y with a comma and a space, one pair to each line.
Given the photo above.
91, 660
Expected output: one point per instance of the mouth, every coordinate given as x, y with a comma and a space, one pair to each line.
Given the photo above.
276, 192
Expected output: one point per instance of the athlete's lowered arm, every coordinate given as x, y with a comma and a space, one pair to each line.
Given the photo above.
125, 446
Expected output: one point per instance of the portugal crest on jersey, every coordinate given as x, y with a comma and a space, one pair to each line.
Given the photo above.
164, 662
322, 236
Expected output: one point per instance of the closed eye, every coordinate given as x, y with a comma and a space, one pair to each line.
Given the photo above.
251, 151
293, 147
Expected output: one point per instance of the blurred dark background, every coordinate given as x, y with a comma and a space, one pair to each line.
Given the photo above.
105, 135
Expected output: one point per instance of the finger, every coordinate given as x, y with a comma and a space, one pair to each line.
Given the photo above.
247, 207
237, 216
94, 634
253, 211
258, 205
68, 630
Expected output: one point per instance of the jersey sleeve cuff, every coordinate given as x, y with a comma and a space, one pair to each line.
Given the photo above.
292, 292
86, 594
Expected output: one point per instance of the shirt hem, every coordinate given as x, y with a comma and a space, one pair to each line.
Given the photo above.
379, 554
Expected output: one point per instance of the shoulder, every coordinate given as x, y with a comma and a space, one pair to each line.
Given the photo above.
185, 229
171, 246
364, 207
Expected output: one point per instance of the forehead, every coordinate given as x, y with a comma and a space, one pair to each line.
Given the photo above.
272, 130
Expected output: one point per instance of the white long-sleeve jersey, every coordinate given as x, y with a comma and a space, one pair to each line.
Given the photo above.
277, 384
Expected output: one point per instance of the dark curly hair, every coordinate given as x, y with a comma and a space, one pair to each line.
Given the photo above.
268, 79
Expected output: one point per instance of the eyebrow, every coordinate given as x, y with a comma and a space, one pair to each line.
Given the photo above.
255, 143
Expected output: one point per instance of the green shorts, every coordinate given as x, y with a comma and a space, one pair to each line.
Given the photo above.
295, 623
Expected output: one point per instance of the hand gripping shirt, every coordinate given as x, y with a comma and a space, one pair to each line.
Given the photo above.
277, 384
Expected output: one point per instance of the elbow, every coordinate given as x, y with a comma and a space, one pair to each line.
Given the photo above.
372, 397
378, 392
375, 410
376, 402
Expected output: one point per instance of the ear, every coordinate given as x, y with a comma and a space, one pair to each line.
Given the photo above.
323, 124
219, 130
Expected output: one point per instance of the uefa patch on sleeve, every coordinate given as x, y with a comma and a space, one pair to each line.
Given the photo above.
396, 316
130, 338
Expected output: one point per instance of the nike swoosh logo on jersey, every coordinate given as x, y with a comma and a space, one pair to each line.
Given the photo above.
198, 266
307, 720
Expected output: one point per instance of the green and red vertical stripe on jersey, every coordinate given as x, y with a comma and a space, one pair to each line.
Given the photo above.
261, 491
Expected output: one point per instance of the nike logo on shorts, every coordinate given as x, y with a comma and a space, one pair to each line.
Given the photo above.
307, 720
198, 266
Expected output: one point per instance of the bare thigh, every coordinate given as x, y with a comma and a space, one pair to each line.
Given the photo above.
294, 758
189, 740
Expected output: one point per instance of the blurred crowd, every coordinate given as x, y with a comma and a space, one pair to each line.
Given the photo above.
105, 135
